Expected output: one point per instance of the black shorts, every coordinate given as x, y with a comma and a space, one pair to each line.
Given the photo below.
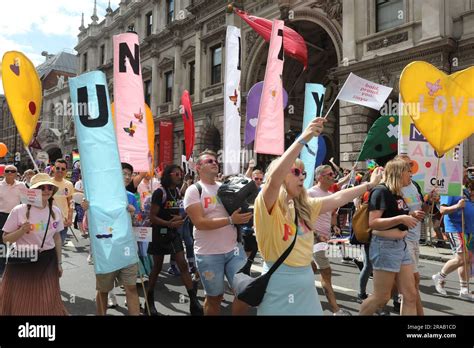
168, 244
250, 242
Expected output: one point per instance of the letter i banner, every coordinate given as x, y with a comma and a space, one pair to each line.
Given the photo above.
130, 110
313, 107
269, 136
110, 226
232, 97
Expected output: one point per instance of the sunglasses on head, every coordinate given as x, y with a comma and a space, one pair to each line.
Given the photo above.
47, 187
61, 168
10, 171
298, 172
210, 161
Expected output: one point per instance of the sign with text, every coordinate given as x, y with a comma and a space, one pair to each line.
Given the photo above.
143, 234
32, 197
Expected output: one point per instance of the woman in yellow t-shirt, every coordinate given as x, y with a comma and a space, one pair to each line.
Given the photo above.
291, 289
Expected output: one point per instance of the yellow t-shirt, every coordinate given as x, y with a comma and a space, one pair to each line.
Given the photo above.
275, 233
66, 189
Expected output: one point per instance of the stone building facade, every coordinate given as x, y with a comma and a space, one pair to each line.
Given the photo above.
182, 47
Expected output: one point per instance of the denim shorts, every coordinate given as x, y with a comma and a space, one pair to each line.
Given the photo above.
212, 269
389, 254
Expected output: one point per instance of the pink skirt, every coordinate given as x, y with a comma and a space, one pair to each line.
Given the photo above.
32, 288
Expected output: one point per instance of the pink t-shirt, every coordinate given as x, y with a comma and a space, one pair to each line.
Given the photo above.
322, 225
38, 220
221, 240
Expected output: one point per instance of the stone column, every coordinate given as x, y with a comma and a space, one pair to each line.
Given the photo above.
197, 64
432, 25
154, 86
156, 15
348, 31
177, 73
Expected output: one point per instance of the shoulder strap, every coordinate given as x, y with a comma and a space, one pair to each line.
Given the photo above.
418, 188
47, 226
287, 252
199, 187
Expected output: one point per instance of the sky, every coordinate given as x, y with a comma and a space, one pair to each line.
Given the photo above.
34, 26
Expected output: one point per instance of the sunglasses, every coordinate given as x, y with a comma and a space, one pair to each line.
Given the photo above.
210, 161
329, 174
258, 179
48, 187
10, 171
298, 172
61, 168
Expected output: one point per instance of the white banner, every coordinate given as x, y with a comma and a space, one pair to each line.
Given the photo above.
143, 234
231, 154
364, 92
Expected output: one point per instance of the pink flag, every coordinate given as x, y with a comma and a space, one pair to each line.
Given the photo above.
269, 137
129, 101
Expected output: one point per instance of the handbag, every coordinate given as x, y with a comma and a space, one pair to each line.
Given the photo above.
14, 256
252, 290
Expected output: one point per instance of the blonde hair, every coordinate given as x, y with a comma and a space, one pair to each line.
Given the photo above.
392, 175
301, 203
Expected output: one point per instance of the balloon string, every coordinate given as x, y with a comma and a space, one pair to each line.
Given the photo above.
431, 225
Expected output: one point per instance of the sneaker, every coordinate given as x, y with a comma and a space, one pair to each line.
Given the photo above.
112, 301
439, 284
464, 295
90, 260
173, 270
382, 312
361, 297
396, 306
342, 312
347, 260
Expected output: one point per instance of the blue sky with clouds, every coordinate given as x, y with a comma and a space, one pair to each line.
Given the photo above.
33, 26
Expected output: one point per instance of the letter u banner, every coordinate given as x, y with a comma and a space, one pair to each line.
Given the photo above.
129, 103
110, 226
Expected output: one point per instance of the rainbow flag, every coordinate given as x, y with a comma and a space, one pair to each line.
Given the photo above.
75, 157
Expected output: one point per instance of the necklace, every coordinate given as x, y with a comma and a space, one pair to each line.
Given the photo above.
173, 196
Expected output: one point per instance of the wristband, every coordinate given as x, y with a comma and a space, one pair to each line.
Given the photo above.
369, 187
302, 141
230, 221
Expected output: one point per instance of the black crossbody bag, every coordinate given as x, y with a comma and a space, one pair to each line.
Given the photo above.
252, 290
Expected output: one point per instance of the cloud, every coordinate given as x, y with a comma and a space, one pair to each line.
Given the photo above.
51, 17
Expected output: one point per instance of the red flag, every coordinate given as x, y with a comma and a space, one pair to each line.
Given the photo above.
293, 43
166, 143
188, 120
34, 144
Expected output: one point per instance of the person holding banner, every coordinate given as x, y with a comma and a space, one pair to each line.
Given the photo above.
457, 210
10, 192
283, 201
33, 288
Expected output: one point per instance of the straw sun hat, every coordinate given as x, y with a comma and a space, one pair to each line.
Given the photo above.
42, 179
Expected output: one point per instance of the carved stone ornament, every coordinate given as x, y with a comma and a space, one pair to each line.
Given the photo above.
215, 23
333, 8
387, 41
250, 39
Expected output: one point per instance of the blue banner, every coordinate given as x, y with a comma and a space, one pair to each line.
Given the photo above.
313, 107
110, 226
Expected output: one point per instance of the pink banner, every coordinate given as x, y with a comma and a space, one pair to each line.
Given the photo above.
269, 137
130, 119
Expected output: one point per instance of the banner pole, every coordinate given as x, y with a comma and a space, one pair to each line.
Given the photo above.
337, 97
32, 159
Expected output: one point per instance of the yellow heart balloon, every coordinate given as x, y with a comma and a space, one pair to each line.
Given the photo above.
22, 88
441, 105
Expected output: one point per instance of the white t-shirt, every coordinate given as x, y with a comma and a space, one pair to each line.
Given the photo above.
78, 186
322, 225
412, 198
208, 242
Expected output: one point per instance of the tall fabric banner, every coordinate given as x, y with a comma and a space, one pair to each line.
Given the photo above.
110, 225
23, 92
232, 119
425, 162
269, 137
382, 139
313, 107
166, 143
253, 103
188, 120
129, 100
